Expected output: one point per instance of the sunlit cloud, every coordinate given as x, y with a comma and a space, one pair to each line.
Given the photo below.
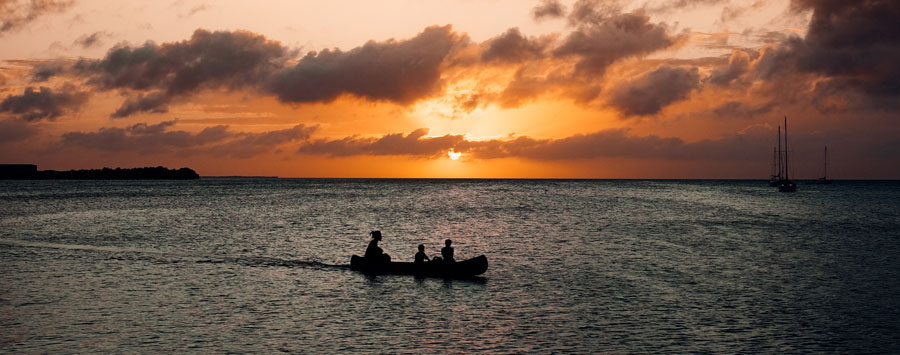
454, 155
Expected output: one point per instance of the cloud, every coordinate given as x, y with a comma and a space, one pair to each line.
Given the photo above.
600, 40
90, 40
617, 143
856, 42
43, 71
143, 138
738, 64
574, 66
412, 144
650, 92
15, 130
196, 9
593, 11
850, 51
16, 14
674, 5
548, 9
513, 47
43, 104
246, 145
737, 109
397, 71
610, 143
613, 143
158, 138
155, 102
229, 60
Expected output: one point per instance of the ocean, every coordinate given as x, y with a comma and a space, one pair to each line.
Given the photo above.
582, 266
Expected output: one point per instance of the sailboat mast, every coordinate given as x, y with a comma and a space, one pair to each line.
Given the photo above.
780, 162
786, 152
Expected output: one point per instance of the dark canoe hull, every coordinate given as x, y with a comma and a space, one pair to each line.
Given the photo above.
460, 269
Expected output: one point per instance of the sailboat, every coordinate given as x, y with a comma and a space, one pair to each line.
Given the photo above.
784, 183
824, 179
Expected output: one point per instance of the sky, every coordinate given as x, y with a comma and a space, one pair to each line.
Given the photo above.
647, 89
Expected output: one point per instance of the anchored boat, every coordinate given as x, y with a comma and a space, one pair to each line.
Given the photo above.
784, 182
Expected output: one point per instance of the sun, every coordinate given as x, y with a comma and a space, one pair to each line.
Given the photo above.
454, 155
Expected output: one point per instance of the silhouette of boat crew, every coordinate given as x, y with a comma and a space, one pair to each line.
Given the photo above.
447, 251
420, 256
374, 254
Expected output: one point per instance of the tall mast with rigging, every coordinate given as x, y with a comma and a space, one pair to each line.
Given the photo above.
786, 185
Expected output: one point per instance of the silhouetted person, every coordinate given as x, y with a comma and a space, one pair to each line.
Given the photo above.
447, 251
373, 252
420, 256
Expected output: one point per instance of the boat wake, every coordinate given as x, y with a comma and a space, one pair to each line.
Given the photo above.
123, 253
265, 261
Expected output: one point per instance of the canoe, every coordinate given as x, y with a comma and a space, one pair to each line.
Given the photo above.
459, 269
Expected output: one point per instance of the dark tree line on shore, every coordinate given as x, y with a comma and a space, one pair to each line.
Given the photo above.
30, 172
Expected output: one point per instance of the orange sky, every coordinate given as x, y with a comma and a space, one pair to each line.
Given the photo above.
518, 89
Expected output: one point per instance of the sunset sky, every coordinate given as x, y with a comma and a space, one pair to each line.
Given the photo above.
464, 88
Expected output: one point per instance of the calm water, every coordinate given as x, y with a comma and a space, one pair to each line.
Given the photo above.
582, 266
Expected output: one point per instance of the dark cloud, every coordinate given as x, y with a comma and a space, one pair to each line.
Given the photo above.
15, 130
650, 92
246, 145
44, 103
89, 41
217, 140
738, 64
156, 75
593, 11
599, 41
142, 138
513, 47
851, 46
196, 9
857, 42
611, 143
43, 71
413, 144
154, 102
548, 9
731, 12
398, 71
737, 109
574, 67
15, 14
675, 5
615, 143
230, 60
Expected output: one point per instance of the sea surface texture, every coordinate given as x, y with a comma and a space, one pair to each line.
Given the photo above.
261, 265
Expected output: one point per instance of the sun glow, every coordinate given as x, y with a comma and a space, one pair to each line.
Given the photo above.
454, 155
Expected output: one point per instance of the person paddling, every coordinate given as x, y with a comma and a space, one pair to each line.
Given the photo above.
447, 251
420, 256
373, 252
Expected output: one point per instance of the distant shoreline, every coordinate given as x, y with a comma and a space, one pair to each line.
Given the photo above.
30, 172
